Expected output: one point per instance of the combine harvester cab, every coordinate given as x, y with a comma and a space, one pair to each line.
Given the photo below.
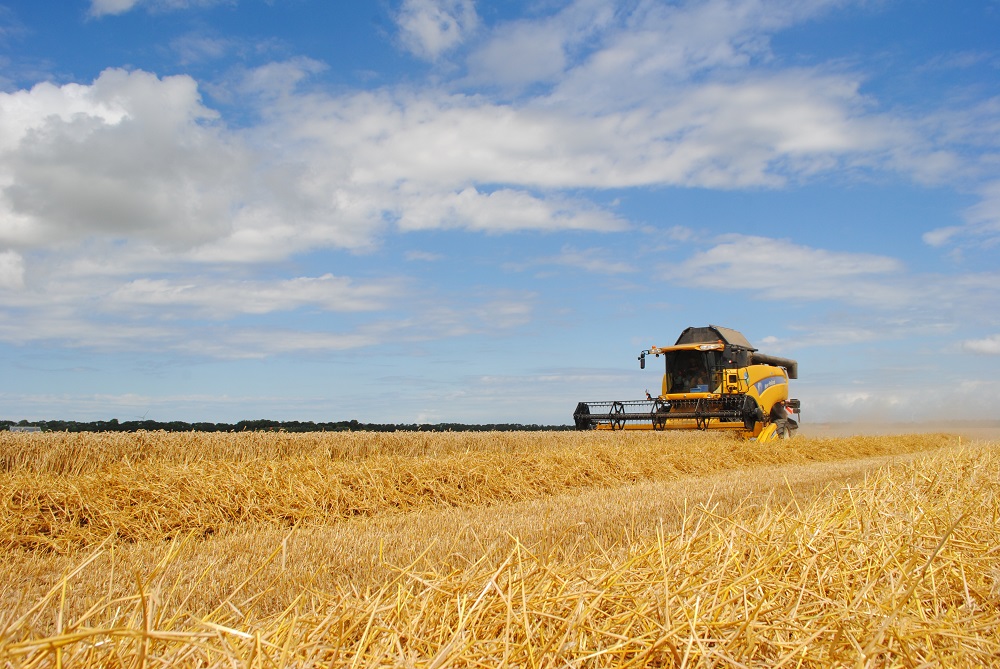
714, 379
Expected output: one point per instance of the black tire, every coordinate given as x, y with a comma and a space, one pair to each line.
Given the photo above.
785, 428
751, 414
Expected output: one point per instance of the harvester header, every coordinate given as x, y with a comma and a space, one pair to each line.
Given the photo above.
714, 379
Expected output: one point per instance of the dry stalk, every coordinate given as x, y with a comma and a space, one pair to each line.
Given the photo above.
897, 571
64, 492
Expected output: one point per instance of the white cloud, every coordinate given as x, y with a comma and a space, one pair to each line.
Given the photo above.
277, 79
423, 256
114, 7
941, 236
103, 7
136, 159
777, 269
429, 28
525, 52
197, 318
261, 342
503, 210
222, 299
505, 313
986, 345
679, 233
141, 159
652, 46
519, 55
11, 269
62, 324
167, 308
830, 334
195, 47
591, 260
755, 132
129, 157
982, 225
347, 165
883, 401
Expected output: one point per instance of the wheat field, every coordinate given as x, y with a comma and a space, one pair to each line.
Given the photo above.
497, 549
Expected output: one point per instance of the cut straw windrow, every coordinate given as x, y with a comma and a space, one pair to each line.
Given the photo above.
60, 492
895, 569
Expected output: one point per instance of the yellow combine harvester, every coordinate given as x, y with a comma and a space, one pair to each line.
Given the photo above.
714, 380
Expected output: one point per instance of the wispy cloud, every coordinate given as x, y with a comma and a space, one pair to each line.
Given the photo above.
504, 210
223, 299
524, 52
11, 269
103, 7
982, 227
423, 256
778, 269
504, 312
199, 47
114, 7
428, 28
591, 260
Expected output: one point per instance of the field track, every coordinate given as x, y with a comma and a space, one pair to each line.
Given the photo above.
535, 549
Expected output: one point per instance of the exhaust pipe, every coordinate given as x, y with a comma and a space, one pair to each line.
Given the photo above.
790, 365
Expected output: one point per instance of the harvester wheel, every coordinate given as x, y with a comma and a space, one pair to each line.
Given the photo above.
769, 433
787, 428
660, 412
784, 426
581, 417
751, 413
617, 413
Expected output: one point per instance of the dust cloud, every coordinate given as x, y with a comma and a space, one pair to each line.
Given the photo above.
974, 430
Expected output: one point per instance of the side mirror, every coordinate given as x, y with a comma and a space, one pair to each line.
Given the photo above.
642, 361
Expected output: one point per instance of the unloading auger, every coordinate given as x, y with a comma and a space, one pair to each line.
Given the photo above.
714, 379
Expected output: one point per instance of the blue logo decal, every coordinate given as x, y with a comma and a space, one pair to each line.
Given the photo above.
764, 384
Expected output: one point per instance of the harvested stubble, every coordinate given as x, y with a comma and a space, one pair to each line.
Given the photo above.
208, 486
898, 571
86, 452
359, 555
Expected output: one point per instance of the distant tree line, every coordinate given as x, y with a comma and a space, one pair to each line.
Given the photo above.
114, 425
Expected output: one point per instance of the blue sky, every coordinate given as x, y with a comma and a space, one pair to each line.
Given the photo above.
444, 210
